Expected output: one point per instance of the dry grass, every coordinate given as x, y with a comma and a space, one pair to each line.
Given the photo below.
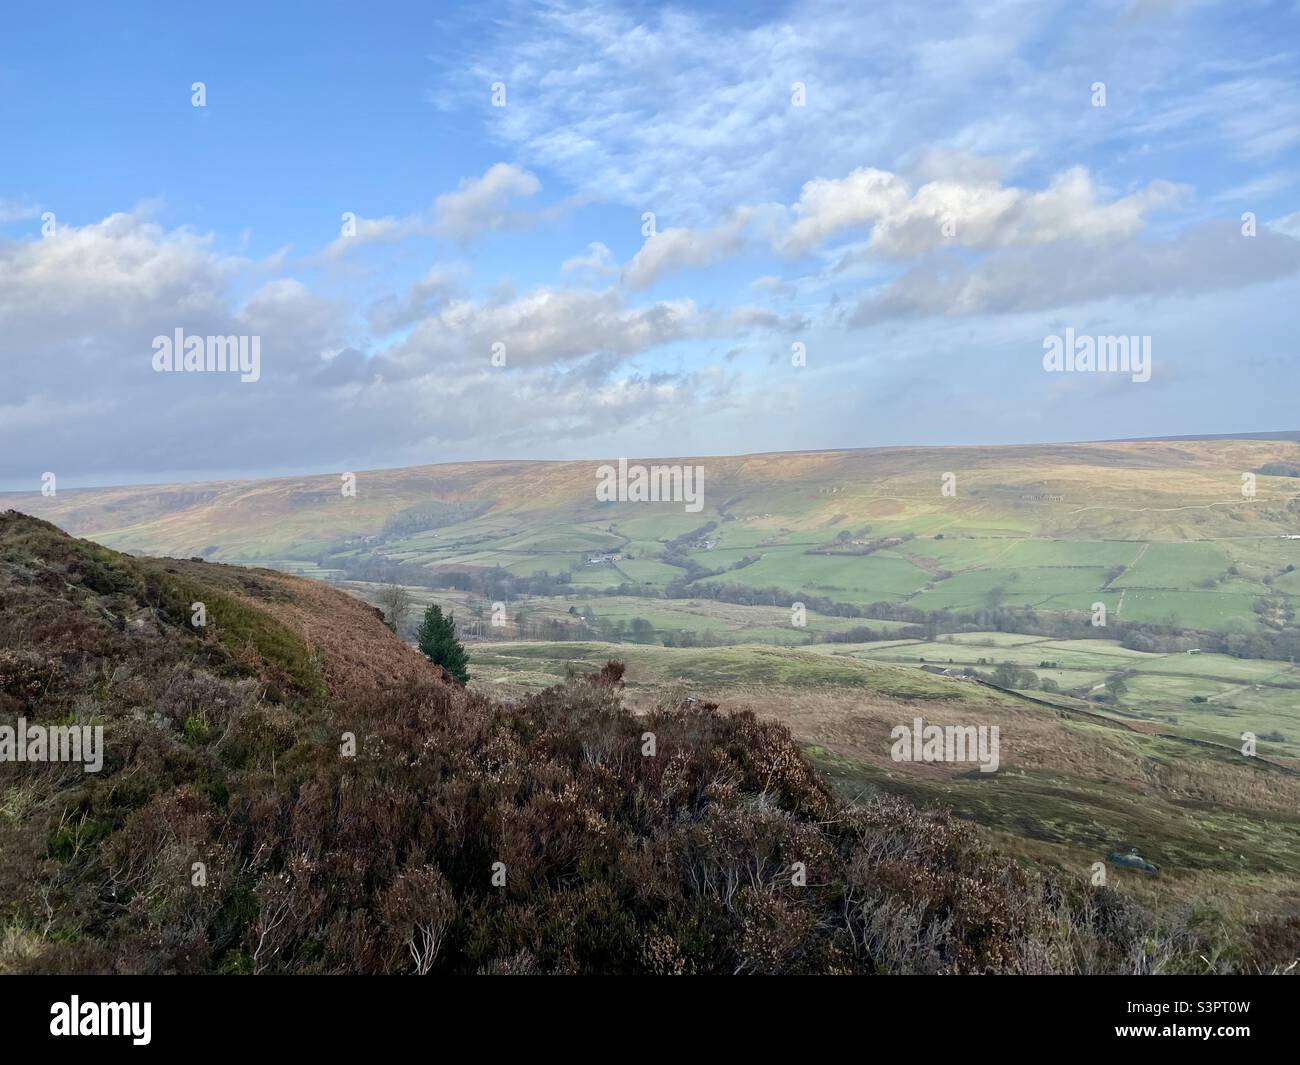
18, 947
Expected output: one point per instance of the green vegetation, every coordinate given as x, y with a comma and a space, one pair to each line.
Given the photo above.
250, 633
1158, 531
437, 642
1202, 696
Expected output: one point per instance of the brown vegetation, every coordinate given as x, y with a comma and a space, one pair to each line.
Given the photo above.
234, 829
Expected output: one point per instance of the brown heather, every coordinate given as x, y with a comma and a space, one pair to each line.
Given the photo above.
222, 747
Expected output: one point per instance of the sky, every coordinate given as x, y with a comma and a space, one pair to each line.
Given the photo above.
582, 230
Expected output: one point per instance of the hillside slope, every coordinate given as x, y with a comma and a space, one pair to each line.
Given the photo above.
1159, 532
1072, 786
232, 827
1166, 489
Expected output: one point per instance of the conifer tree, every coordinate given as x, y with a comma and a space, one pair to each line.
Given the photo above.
438, 643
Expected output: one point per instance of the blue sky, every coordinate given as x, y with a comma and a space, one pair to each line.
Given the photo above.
947, 195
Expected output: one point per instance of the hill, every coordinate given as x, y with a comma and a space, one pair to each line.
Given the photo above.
287, 788
1160, 532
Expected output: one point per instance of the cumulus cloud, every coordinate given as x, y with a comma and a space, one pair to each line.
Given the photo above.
123, 279
481, 205
82, 309
476, 206
598, 262
357, 233
545, 326
679, 248
904, 223
1210, 257
900, 222
828, 205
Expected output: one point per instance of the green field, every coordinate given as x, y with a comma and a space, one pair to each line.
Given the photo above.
1194, 584
1203, 696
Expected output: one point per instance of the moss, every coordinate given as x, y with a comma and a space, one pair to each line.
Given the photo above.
241, 628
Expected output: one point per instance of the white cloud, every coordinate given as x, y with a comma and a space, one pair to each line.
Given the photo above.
93, 279
1209, 258
903, 223
828, 205
16, 211
422, 299
598, 262
78, 313
770, 285
1289, 225
680, 248
367, 232
545, 326
480, 205
746, 318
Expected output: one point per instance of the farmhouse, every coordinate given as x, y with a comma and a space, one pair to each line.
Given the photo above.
941, 671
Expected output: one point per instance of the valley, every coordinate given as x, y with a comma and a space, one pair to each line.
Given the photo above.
1122, 611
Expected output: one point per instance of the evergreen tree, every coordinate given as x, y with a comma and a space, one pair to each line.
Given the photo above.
438, 643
